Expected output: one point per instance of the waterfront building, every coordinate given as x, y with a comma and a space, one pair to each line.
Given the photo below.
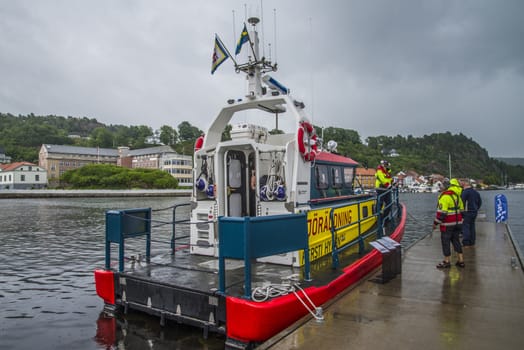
147, 158
365, 177
57, 159
22, 176
161, 157
180, 166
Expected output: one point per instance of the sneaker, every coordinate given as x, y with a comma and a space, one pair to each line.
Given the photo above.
443, 265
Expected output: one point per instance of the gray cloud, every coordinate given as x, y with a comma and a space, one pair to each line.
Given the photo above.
379, 67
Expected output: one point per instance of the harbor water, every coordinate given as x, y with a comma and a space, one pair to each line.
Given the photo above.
49, 249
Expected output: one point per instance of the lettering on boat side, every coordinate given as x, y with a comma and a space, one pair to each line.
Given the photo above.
323, 248
319, 222
319, 230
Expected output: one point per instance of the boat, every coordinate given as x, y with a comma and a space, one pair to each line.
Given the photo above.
275, 231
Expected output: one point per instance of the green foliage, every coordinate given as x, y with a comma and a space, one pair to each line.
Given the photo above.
168, 135
339, 134
226, 134
430, 154
275, 131
22, 136
101, 137
188, 132
106, 176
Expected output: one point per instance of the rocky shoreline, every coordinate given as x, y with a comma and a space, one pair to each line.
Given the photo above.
92, 193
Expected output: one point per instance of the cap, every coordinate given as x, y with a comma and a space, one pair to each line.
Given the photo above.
445, 182
384, 163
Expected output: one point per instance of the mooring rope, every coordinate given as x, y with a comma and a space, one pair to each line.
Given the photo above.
261, 294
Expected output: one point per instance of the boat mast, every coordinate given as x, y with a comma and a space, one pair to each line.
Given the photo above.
256, 65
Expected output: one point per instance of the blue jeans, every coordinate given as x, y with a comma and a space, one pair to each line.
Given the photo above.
468, 228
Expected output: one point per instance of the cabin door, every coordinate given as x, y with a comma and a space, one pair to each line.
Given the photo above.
236, 183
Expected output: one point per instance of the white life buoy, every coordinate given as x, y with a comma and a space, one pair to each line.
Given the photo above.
306, 129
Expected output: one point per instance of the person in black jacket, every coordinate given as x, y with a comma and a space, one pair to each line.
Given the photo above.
472, 204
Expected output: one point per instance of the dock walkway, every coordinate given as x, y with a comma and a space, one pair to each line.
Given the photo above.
478, 307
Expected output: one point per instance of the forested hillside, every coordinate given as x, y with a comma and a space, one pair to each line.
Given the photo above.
512, 161
22, 136
428, 155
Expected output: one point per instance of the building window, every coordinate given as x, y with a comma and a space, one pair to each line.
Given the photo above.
22, 177
37, 178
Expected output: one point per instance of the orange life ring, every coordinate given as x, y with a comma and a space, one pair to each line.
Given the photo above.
309, 130
199, 142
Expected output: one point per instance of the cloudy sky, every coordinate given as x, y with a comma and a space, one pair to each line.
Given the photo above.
380, 67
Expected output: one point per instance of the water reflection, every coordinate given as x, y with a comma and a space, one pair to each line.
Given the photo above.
138, 331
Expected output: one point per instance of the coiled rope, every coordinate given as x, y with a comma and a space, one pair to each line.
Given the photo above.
261, 294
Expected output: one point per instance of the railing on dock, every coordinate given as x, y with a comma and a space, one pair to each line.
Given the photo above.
392, 209
122, 224
175, 221
133, 223
249, 238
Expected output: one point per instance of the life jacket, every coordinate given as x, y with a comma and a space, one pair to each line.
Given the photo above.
450, 208
382, 177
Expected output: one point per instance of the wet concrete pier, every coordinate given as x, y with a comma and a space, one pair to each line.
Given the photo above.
478, 307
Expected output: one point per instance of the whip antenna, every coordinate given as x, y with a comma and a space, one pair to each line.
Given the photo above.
262, 29
275, 32
234, 29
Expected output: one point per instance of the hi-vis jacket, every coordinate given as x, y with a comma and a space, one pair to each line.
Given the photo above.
382, 177
450, 207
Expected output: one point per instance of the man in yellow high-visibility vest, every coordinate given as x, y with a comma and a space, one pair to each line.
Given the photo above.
383, 184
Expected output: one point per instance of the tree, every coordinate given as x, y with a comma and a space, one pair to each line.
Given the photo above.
188, 132
340, 135
168, 135
115, 177
139, 135
101, 137
226, 135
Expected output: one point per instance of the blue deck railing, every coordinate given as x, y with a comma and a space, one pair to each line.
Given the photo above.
382, 206
122, 224
248, 238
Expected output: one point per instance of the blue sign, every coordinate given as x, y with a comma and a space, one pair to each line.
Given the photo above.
501, 208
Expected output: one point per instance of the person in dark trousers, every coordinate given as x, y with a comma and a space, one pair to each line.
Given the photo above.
383, 185
472, 204
449, 219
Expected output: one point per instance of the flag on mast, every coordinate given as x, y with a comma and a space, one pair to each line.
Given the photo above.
220, 54
244, 37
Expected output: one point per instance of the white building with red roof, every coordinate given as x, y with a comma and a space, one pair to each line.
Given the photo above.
22, 176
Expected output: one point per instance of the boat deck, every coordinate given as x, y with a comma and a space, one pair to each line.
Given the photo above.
478, 307
200, 273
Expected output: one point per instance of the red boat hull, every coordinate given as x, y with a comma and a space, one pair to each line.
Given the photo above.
249, 321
